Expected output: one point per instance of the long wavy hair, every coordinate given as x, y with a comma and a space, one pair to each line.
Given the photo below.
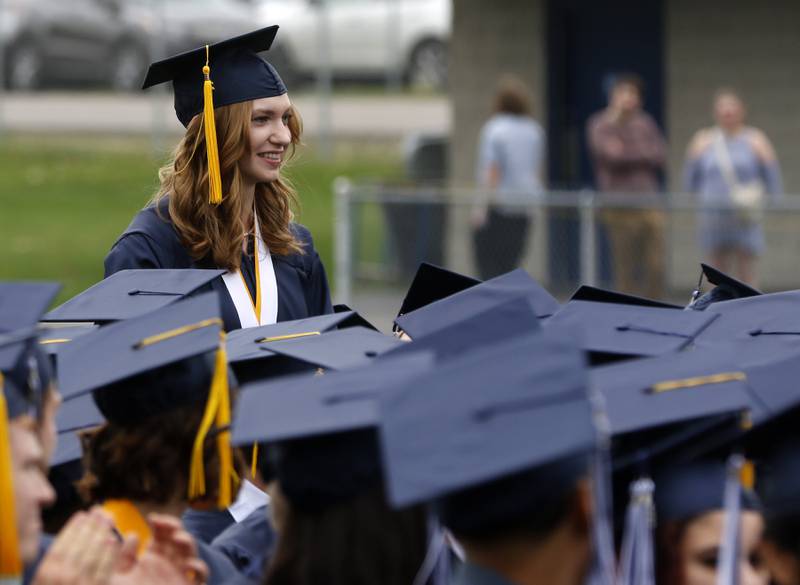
218, 231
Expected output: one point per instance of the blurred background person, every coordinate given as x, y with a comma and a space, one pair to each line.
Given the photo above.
628, 151
732, 169
511, 155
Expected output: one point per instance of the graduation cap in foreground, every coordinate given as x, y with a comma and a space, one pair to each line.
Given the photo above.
432, 283
337, 350
25, 369
320, 428
600, 295
771, 315
502, 413
167, 359
452, 309
131, 293
613, 331
506, 320
726, 288
23, 303
52, 339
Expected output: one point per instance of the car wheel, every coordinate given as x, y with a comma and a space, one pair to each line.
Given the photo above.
128, 67
427, 67
24, 67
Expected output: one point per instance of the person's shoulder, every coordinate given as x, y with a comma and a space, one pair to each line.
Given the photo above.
598, 119
303, 260
153, 221
760, 144
700, 142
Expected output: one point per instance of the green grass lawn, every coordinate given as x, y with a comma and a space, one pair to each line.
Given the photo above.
64, 201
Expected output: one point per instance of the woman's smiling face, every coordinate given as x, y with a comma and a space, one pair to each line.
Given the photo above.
269, 139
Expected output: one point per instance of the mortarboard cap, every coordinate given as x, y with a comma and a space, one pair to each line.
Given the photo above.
237, 72
302, 406
453, 308
354, 318
319, 428
254, 343
26, 371
705, 480
599, 295
78, 413
666, 405
146, 345
337, 350
612, 330
432, 283
130, 293
23, 303
506, 320
726, 288
161, 361
52, 339
770, 315
489, 415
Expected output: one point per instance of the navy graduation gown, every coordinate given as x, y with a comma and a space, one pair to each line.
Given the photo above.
151, 241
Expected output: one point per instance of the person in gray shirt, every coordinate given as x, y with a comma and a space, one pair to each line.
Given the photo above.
511, 155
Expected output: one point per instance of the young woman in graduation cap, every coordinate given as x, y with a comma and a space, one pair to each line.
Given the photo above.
223, 201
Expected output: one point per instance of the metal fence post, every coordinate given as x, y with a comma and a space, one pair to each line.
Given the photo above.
342, 247
588, 238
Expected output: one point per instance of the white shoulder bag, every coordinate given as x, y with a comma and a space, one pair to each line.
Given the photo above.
748, 198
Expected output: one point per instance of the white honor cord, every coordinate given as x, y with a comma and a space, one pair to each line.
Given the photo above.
727, 569
267, 288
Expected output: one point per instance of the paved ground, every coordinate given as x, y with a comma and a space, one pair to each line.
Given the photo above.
379, 116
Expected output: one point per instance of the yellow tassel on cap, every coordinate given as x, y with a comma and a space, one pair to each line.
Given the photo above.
10, 563
214, 177
218, 413
748, 475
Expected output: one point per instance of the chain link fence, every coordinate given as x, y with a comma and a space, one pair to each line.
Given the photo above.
646, 245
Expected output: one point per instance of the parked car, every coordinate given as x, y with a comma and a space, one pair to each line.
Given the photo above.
368, 38
107, 42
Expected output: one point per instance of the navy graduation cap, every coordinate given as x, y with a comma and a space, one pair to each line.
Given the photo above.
255, 343
600, 295
137, 346
251, 351
492, 414
302, 406
51, 339
320, 431
25, 369
167, 359
449, 310
337, 350
432, 283
130, 293
237, 72
726, 288
612, 330
774, 315
23, 303
505, 321
657, 404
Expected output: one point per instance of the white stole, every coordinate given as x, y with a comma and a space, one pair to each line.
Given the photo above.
266, 287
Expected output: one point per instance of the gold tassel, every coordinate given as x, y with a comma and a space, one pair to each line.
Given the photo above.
748, 475
10, 563
254, 461
218, 412
214, 177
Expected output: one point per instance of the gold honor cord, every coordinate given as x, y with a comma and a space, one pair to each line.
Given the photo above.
720, 378
254, 461
159, 337
10, 562
289, 336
